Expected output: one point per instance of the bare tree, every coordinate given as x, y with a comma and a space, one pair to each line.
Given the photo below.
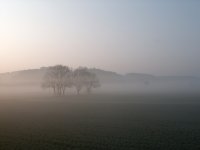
91, 82
78, 79
58, 78
82, 77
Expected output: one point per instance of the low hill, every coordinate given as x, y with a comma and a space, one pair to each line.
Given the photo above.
35, 77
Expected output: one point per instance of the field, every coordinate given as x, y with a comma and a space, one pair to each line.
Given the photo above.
112, 122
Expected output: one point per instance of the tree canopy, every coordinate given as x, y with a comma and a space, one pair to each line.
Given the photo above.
59, 78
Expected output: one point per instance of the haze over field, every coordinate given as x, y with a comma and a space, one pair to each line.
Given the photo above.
99, 74
30, 81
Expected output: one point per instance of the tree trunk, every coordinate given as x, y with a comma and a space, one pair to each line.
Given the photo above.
78, 91
89, 90
63, 90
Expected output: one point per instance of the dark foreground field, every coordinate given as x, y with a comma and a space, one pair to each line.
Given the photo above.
106, 122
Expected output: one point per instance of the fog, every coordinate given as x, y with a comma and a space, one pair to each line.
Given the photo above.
115, 115
30, 82
99, 75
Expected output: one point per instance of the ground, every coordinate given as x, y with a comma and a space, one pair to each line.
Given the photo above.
102, 122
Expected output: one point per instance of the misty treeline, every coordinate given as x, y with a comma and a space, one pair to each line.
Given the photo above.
59, 78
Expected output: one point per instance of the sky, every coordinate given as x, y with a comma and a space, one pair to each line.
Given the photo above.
156, 37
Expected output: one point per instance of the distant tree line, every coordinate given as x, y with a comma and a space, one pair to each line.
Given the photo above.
59, 78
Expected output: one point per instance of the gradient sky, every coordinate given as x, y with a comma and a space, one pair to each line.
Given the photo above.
158, 37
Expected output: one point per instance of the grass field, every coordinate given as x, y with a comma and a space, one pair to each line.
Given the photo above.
104, 122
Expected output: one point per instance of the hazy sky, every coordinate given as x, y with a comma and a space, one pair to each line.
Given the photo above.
148, 36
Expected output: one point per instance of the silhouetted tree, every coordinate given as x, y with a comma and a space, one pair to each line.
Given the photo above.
78, 78
91, 82
58, 78
82, 77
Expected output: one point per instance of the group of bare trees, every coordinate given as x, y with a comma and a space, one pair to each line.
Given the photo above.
59, 78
